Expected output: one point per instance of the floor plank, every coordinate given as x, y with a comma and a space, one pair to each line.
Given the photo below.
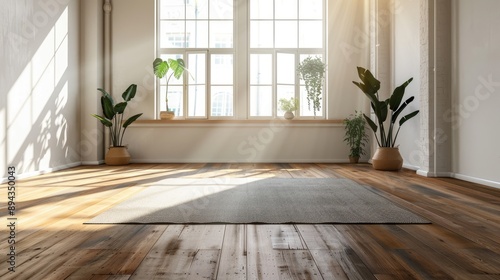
233, 259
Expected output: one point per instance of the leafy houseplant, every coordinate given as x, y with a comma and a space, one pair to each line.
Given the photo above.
312, 71
390, 108
113, 119
289, 106
113, 114
355, 136
161, 68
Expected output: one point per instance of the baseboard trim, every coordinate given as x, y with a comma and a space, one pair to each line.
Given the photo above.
97, 162
462, 177
235, 161
471, 179
411, 167
434, 174
44, 171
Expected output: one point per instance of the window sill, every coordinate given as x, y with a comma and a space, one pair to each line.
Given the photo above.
238, 123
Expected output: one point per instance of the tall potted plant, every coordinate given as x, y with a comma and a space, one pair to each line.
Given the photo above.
113, 119
312, 71
161, 68
387, 156
355, 136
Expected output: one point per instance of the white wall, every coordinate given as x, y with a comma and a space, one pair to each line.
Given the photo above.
275, 141
133, 54
475, 78
475, 113
39, 101
406, 64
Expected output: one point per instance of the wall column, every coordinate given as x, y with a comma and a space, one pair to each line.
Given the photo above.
92, 65
435, 88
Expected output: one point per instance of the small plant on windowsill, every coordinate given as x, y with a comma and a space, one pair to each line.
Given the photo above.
161, 68
355, 136
289, 106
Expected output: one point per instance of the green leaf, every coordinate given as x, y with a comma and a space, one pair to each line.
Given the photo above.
397, 95
396, 114
120, 107
407, 117
130, 120
103, 120
381, 111
178, 66
129, 93
160, 67
107, 107
372, 84
372, 124
107, 95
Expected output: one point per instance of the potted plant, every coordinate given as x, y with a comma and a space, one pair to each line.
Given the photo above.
312, 71
161, 68
355, 136
113, 119
387, 156
289, 106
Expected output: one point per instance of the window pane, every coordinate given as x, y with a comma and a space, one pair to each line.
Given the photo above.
172, 34
261, 34
197, 34
221, 34
221, 9
196, 101
172, 9
222, 69
311, 9
261, 69
285, 68
261, 9
197, 9
261, 100
286, 9
286, 34
197, 68
175, 99
311, 34
222, 101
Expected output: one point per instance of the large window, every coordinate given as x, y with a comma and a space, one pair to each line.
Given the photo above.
279, 35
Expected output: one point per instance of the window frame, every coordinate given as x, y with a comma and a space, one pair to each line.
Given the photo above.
241, 52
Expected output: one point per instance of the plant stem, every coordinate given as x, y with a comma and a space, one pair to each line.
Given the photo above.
166, 93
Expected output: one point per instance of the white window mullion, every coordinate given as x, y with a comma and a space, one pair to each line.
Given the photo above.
208, 84
241, 27
297, 81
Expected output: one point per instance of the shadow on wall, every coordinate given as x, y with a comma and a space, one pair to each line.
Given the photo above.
39, 111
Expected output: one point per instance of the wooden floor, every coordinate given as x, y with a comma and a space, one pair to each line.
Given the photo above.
463, 241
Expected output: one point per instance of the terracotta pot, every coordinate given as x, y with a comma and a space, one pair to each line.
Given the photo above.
117, 156
353, 159
167, 115
387, 159
289, 115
